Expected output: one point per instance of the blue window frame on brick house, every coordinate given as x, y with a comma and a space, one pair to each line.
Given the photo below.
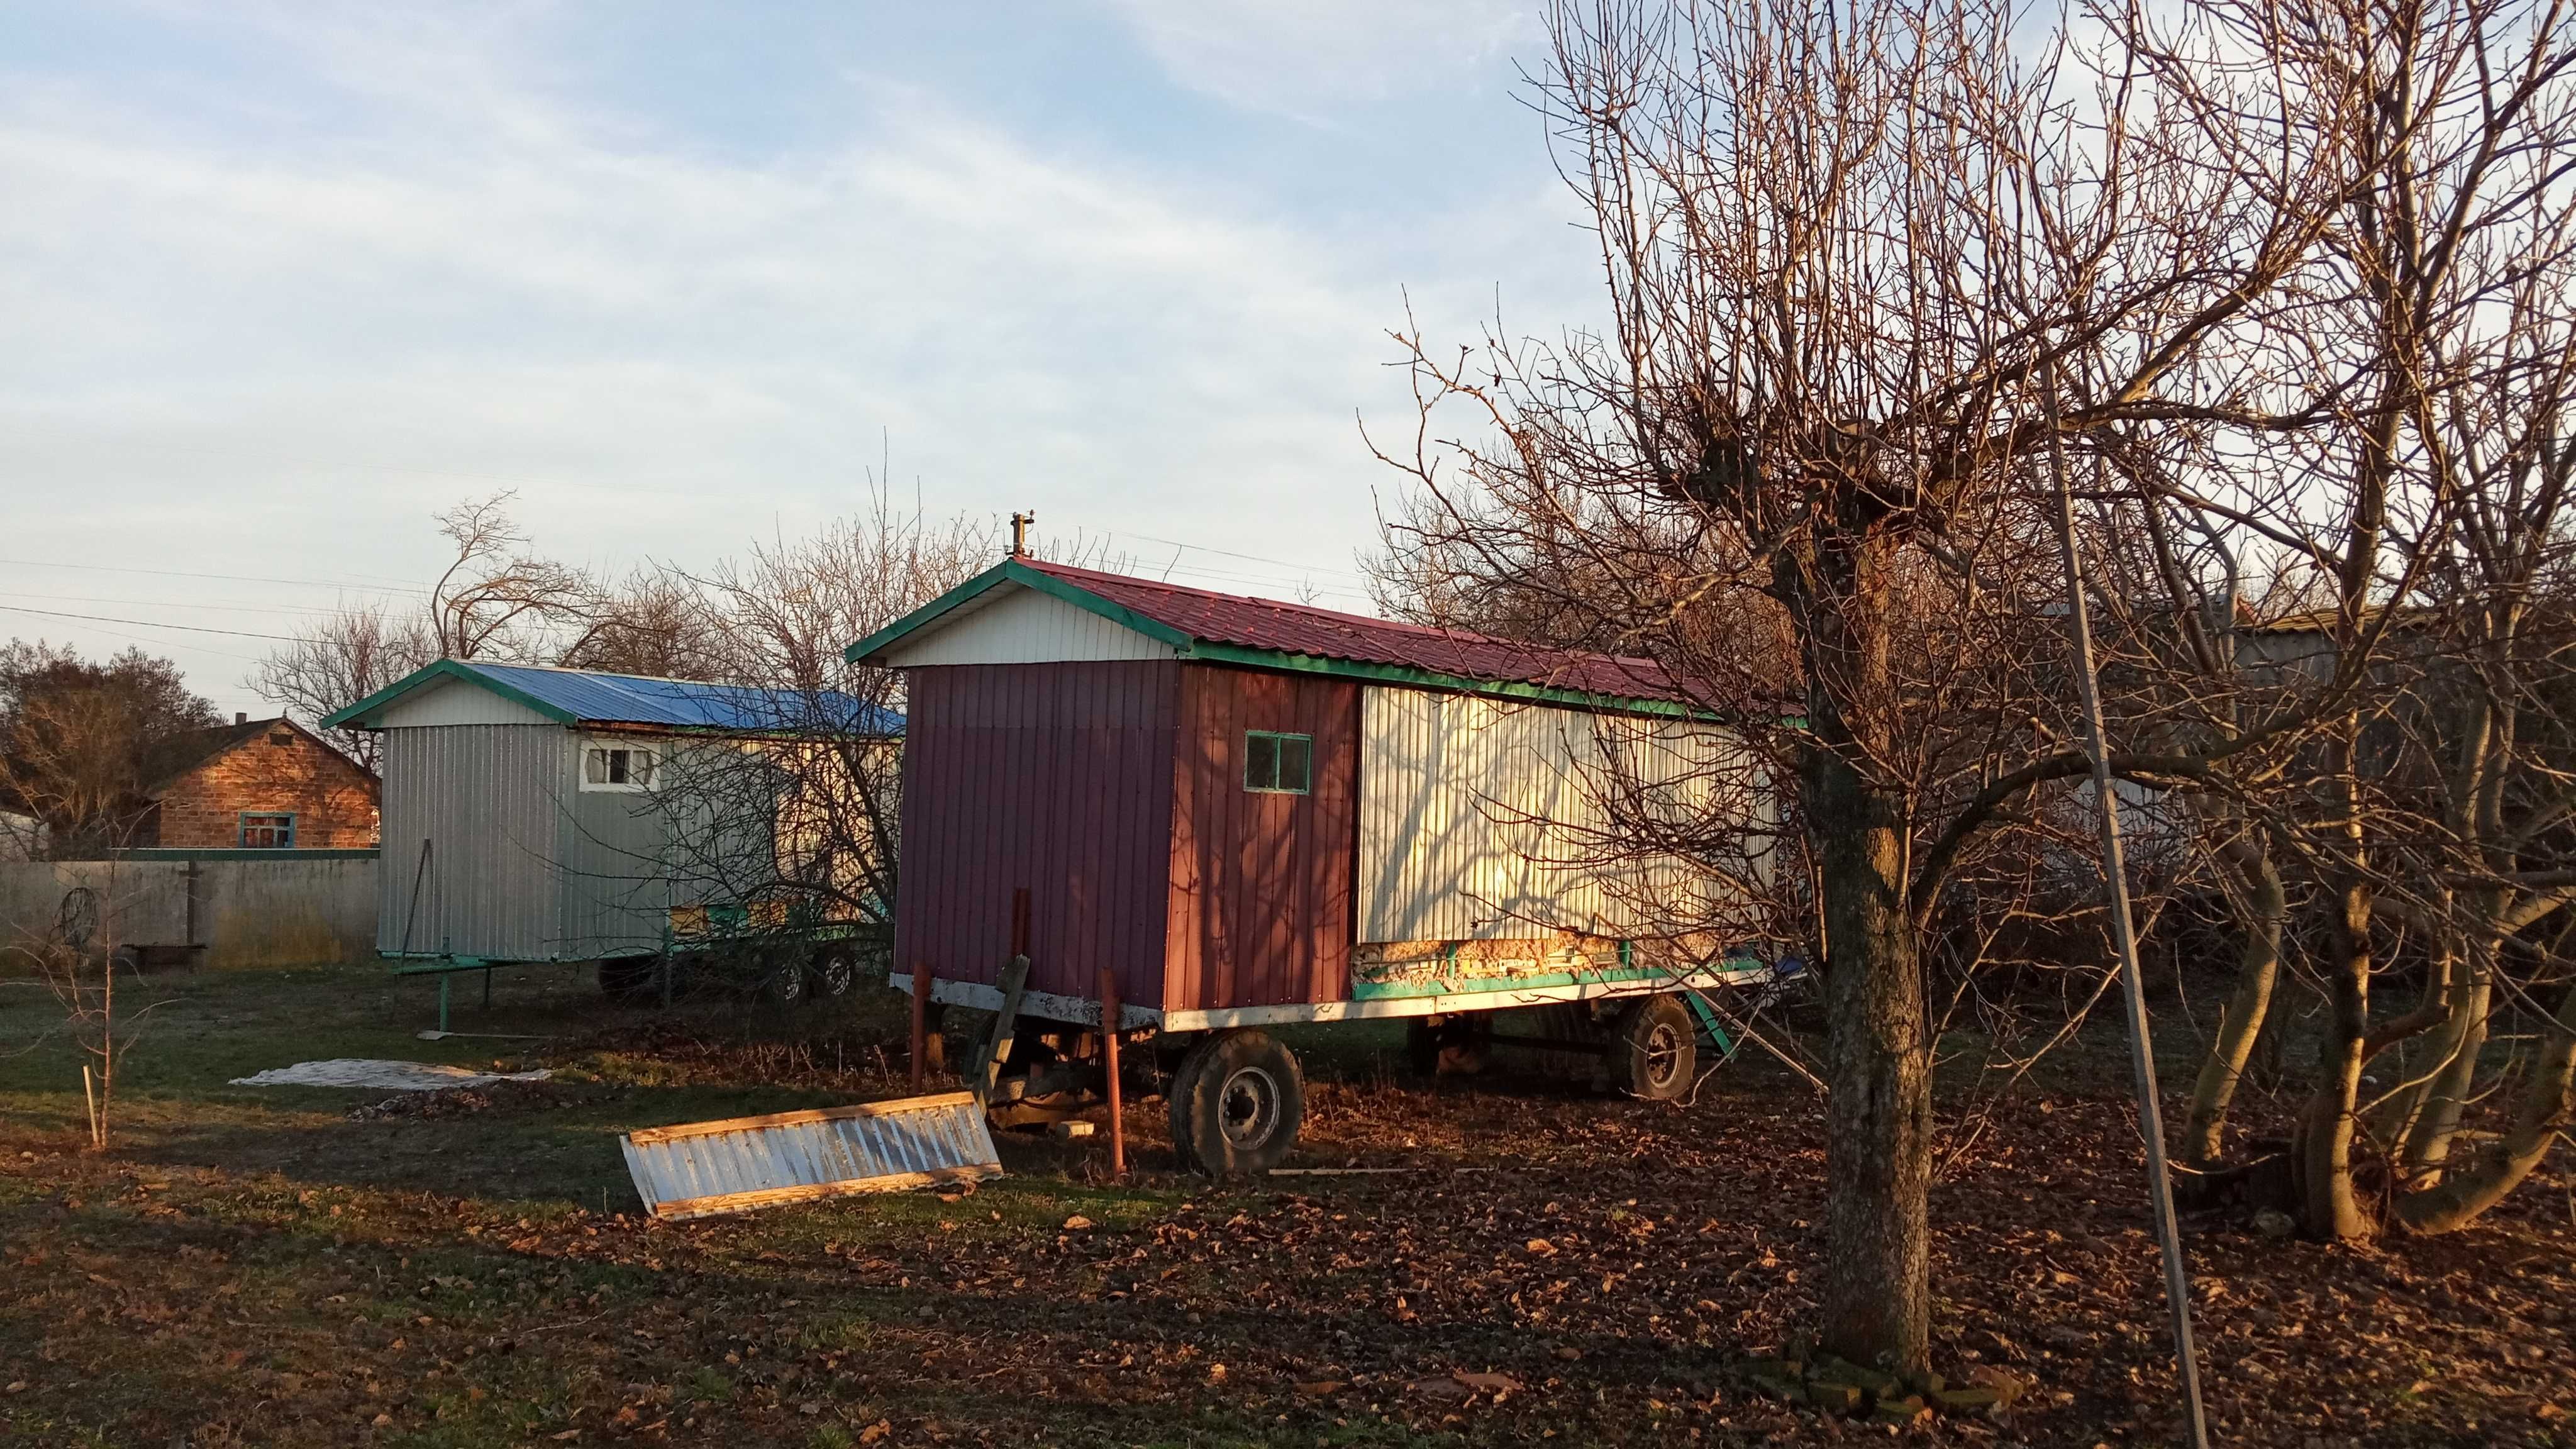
268, 830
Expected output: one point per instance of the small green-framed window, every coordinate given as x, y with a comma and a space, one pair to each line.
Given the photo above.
1277, 764
267, 830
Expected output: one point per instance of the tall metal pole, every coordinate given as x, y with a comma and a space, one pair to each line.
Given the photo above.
2124, 937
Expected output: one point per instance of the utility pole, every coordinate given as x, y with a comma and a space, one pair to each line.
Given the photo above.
1020, 533
2124, 938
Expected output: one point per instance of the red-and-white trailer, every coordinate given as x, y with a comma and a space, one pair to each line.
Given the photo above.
1233, 813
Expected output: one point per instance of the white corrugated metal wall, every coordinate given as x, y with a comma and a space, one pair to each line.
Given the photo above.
1484, 819
1023, 626
486, 798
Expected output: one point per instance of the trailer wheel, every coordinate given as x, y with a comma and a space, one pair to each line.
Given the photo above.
1236, 1104
1176, 1100
1656, 1053
836, 970
785, 984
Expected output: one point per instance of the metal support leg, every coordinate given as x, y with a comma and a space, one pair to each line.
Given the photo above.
442, 1001
487, 988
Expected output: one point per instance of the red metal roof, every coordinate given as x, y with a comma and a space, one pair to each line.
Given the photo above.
1324, 634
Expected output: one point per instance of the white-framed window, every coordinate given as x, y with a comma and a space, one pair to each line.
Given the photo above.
267, 830
617, 767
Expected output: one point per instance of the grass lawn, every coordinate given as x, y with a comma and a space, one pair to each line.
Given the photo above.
296, 1266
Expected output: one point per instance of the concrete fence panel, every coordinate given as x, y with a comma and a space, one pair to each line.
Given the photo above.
247, 908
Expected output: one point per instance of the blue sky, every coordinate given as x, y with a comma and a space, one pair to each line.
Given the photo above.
278, 282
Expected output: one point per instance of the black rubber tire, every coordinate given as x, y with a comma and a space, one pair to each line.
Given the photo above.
1655, 1054
1422, 1046
785, 984
1240, 1109
835, 971
1176, 1100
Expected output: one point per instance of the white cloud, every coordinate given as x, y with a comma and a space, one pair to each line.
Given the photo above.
270, 333
1311, 58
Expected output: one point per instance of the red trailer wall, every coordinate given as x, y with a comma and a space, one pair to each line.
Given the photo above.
1056, 777
1261, 884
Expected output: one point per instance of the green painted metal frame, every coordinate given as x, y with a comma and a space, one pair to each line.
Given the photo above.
239, 852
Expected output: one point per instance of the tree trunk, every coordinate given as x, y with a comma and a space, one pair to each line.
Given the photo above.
2325, 1132
2467, 1000
1878, 1119
2257, 968
1878, 1158
2498, 1167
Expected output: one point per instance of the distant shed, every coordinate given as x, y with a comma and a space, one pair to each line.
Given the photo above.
1255, 812
521, 818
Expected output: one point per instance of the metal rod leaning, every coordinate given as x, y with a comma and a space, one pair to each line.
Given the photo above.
2115, 886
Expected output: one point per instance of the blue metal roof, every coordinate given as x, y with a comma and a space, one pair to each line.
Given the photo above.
583, 696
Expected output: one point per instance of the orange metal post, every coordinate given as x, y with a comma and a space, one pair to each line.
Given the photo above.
1109, 1022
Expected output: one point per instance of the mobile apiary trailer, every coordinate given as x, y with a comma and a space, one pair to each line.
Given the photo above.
1240, 814
537, 814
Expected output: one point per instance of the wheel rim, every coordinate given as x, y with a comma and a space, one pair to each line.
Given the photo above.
790, 984
1247, 1108
1663, 1054
837, 972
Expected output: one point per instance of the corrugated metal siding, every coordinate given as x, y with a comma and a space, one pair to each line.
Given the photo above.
1261, 883
1022, 626
595, 698
708, 1168
1053, 777
487, 798
1325, 634
1482, 820
617, 864
458, 702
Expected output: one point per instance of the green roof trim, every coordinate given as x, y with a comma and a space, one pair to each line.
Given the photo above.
1190, 647
359, 715
1363, 670
1012, 571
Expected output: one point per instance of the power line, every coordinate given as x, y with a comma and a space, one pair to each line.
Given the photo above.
148, 624
30, 563
1248, 557
323, 610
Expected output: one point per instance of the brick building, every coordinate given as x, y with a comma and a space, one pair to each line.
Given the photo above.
257, 784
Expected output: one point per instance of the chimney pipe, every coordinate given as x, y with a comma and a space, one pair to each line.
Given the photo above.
241, 716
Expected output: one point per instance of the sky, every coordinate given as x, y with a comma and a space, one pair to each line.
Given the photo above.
280, 282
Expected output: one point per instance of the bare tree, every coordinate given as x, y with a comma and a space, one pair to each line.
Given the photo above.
1840, 244
827, 787
77, 739
495, 597
339, 661
2409, 505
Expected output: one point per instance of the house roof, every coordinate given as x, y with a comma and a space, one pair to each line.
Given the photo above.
165, 760
1202, 625
588, 697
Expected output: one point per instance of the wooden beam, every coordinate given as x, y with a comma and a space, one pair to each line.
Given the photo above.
1109, 1024
997, 1043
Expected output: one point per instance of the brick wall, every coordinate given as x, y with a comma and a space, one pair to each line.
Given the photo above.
333, 801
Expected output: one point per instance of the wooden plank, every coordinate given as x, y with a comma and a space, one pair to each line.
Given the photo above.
649, 1135
997, 1044
742, 1202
